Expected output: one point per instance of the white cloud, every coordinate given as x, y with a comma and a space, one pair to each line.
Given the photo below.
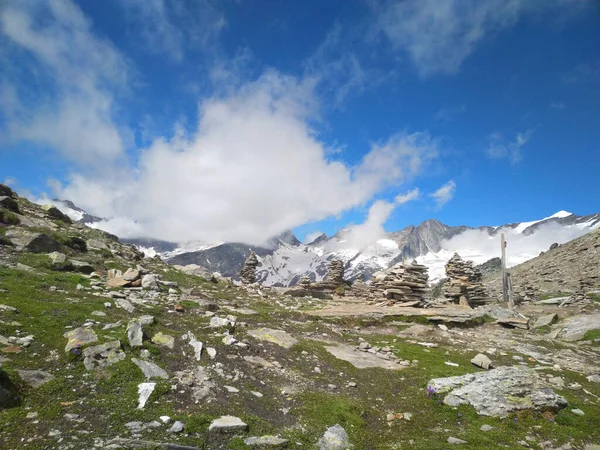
557, 105
252, 169
64, 96
409, 196
439, 35
447, 114
171, 27
498, 147
444, 194
364, 234
10, 181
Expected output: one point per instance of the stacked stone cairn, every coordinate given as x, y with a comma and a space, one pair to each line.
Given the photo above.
321, 289
403, 284
248, 272
464, 284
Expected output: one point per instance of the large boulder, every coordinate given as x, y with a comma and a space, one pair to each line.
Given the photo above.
6, 191
9, 203
55, 213
104, 355
575, 328
499, 392
34, 242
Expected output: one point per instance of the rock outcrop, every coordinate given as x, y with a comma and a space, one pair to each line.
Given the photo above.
405, 284
464, 282
248, 272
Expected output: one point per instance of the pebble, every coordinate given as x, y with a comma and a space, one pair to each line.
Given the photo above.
456, 441
177, 427
486, 428
578, 412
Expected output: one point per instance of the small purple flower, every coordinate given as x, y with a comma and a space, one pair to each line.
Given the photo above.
459, 415
551, 419
515, 420
76, 351
441, 402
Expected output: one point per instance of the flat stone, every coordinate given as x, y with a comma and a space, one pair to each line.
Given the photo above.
118, 282
578, 412
278, 337
482, 361
594, 378
150, 281
265, 441
150, 369
486, 428
335, 438
57, 257
125, 304
544, 321
163, 339
514, 322
79, 337
96, 244
361, 360
227, 424
575, 328
144, 392
499, 391
35, 378
456, 441
101, 356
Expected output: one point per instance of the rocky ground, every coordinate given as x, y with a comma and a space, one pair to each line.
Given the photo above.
100, 348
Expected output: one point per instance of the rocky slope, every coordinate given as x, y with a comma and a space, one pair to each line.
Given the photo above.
102, 348
565, 269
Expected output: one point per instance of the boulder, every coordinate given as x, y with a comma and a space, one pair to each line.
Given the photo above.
150, 369
9, 203
150, 281
164, 340
79, 337
278, 337
544, 321
35, 378
135, 334
96, 244
118, 282
82, 267
6, 191
482, 361
131, 274
575, 328
101, 356
55, 213
499, 392
57, 257
226, 425
34, 242
335, 438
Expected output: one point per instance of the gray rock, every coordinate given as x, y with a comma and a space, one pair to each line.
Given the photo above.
361, 360
177, 427
544, 321
135, 334
164, 340
278, 337
482, 361
35, 378
150, 281
131, 275
96, 244
594, 378
456, 441
125, 304
150, 369
55, 213
104, 355
226, 424
578, 412
33, 242
265, 442
574, 328
79, 337
499, 391
486, 428
82, 267
335, 438
57, 257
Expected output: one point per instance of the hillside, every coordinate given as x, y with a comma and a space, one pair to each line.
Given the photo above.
103, 348
564, 269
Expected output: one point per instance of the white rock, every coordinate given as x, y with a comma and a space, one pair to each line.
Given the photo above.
227, 423
144, 392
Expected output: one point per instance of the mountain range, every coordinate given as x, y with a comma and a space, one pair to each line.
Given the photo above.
284, 259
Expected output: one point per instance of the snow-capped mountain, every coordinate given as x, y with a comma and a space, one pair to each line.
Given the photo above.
284, 259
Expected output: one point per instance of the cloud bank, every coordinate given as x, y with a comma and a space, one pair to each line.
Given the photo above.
252, 169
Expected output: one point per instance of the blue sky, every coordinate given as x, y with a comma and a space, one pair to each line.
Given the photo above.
235, 120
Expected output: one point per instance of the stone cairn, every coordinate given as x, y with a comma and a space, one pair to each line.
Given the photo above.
464, 284
405, 284
248, 272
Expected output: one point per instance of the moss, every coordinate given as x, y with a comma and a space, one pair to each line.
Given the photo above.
591, 335
8, 217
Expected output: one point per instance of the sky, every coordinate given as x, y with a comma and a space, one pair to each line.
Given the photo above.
235, 120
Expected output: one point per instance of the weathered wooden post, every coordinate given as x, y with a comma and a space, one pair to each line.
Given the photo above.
504, 277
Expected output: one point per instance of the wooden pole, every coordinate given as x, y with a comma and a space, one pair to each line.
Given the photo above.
504, 277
